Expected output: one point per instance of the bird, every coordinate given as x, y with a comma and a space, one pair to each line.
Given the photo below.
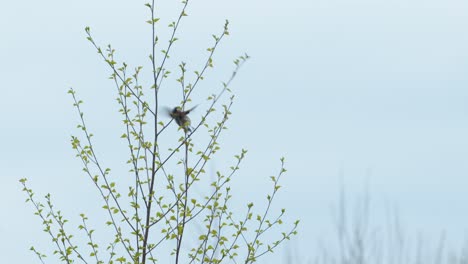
181, 117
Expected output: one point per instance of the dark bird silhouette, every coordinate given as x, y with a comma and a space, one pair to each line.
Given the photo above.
181, 117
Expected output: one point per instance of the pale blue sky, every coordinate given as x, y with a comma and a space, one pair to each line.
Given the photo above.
364, 88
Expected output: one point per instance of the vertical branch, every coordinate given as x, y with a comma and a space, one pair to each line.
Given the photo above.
156, 76
153, 164
187, 171
181, 225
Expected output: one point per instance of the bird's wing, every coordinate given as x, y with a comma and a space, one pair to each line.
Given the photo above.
188, 111
166, 111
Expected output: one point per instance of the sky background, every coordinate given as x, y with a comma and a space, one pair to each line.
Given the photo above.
369, 91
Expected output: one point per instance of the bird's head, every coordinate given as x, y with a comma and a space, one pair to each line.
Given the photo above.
177, 109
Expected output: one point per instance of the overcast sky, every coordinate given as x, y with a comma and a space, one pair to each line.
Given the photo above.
369, 90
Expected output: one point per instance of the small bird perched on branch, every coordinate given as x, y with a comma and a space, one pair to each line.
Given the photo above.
181, 117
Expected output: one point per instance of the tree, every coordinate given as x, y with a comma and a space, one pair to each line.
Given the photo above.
160, 207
